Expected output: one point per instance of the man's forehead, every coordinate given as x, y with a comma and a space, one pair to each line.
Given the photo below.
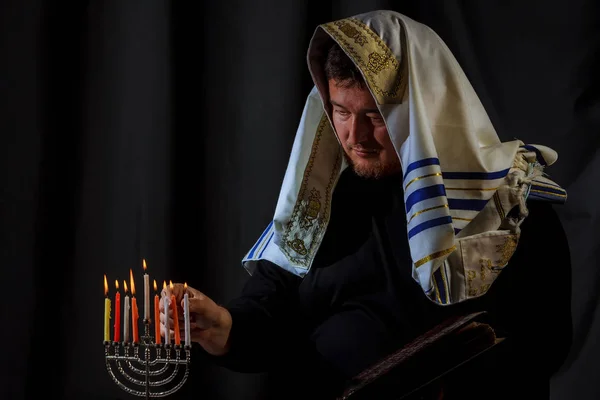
352, 97
365, 110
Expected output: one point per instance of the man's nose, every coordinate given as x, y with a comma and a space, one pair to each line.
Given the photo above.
360, 130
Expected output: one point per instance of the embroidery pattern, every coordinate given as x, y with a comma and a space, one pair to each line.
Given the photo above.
499, 207
485, 280
352, 33
385, 75
471, 289
298, 245
311, 209
488, 271
302, 233
507, 249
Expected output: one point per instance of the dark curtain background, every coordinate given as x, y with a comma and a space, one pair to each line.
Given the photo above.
162, 130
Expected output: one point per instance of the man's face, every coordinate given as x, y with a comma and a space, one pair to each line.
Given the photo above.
362, 131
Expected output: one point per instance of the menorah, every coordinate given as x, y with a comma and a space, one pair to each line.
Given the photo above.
147, 376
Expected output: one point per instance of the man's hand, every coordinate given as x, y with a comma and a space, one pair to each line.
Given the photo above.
210, 323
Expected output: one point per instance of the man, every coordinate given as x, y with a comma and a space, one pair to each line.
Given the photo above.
400, 207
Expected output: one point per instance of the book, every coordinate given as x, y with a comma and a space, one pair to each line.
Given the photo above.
422, 363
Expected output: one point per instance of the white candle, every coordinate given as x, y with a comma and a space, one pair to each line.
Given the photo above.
167, 289
186, 316
146, 296
166, 304
126, 319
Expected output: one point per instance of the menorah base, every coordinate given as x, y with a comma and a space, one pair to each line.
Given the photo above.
156, 374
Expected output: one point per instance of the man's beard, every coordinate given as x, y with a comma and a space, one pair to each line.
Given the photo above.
374, 169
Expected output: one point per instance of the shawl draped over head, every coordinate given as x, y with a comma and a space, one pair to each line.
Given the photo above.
460, 182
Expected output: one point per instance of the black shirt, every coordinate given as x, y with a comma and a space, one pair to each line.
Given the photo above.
359, 301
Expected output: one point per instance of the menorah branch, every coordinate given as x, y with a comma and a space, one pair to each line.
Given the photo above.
155, 374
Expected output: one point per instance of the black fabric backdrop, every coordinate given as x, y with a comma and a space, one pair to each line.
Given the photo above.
162, 130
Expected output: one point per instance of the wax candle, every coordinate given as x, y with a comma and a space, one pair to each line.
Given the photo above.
156, 315
186, 316
126, 315
106, 312
117, 325
134, 310
175, 316
146, 292
134, 319
166, 301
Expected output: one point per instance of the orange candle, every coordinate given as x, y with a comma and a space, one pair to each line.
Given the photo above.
117, 335
156, 315
134, 311
134, 320
175, 317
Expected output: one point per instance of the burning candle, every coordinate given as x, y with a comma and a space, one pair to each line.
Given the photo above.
106, 312
166, 302
117, 326
175, 316
186, 315
126, 315
146, 292
134, 310
156, 315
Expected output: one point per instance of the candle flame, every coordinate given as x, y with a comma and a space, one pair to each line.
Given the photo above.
165, 285
117, 284
105, 286
144, 264
171, 285
132, 282
125, 286
185, 286
155, 288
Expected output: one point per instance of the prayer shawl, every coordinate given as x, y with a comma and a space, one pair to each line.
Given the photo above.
460, 181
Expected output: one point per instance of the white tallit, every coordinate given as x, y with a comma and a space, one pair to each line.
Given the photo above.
460, 181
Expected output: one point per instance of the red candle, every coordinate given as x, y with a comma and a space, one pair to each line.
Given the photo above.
117, 335
156, 316
134, 320
134, 311
175, 317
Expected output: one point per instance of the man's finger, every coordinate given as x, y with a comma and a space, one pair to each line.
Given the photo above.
194, 293
178, 291
163, 331
161, 305
203, 310
193, 326
197, 305
163, 320
169, 313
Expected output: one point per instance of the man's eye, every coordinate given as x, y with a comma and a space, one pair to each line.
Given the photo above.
377, 119
342, 113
